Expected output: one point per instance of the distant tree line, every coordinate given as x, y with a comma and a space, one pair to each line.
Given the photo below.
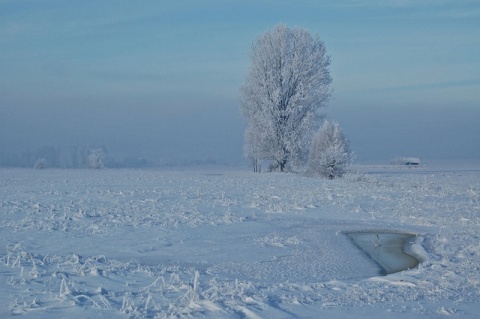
76, 156
94, 157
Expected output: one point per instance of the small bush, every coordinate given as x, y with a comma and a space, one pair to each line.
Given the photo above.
96, 159
329, 154
41, 163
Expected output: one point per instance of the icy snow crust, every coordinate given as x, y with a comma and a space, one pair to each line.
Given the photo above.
227, 243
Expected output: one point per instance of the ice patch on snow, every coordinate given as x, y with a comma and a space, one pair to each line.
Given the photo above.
387, 249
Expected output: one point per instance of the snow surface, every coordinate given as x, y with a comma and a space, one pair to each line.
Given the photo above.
227, 243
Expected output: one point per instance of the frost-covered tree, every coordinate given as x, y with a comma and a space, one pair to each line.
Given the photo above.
41, 163
96, 159
286, 86
330, 154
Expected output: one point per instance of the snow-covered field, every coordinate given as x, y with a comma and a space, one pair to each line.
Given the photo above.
227, 243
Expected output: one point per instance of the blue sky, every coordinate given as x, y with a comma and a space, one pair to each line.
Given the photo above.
161, 79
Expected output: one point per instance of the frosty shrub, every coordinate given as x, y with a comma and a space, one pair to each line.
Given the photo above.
41, 163
329, 154
96, 158
286, 86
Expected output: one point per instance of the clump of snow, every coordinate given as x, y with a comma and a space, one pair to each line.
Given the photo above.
227, 243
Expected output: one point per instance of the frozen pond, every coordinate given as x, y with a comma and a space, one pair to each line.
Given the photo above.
387, 249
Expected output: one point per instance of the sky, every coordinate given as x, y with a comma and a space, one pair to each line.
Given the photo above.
161, 79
